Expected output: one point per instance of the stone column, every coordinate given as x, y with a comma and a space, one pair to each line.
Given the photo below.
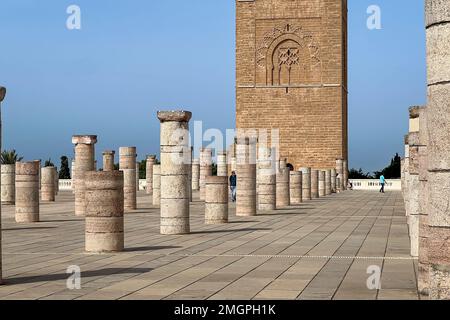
314, 183
345, 173
222, 169
195, 175
84, 161
2, 96
27, 191
205, 169
175, 153
340, 172
127, 164
108, 160
104, 231
266, 181
405, 188
321, 183
282, 186
157, 185
151, 159
328, 182
73, 174
137, 176
295, 184
338, 185
306, 184
48, 184
8, 184
333, 180
246, 177
438, 119
189, 157
56, 181
216, 200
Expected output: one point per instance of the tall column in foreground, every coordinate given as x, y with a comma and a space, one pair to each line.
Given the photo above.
108, 160
151, 159
84, 162
246, 177
205, 169
438, 56
27, 191
175, 154
104, 230
127, 164
2, 96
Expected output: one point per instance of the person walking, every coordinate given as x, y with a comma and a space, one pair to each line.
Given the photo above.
382, 183
233, 180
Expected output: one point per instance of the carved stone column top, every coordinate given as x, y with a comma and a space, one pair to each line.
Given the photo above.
84, 139
109, 152
2, 93
151, 157
179, 116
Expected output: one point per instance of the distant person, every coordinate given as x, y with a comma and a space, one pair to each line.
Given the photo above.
233, 180
383, 183
350, 185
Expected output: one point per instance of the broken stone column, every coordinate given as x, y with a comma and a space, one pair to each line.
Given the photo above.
438, 119
175, 187
195, 174
108, 160
104, 227
295, 185
306, 184
314, 183
222, 169
328, 182
216, 200
157, 185
246, 177
84, 162
340, 172
321, 183
27, 191
2, 96
127, 164
266, 195
333, 180
8, 184
282, 186
151, 159
205, 169
48, 184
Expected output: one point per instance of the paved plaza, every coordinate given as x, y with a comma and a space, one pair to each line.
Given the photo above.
321, 249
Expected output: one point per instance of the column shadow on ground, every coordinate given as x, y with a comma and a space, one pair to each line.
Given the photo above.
150, 248
230, 230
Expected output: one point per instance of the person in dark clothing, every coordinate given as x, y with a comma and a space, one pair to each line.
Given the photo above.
233, 182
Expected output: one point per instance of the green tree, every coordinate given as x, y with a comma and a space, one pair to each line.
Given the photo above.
10, 157
49, 163
359, 174
393, 171
64, 172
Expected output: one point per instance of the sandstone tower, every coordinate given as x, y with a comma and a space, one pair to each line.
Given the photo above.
291, 75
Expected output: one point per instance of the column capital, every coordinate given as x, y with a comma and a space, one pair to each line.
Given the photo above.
176, 116
84, 139
151, 157
109, 152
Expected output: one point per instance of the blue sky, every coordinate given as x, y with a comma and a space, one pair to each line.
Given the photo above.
132, 58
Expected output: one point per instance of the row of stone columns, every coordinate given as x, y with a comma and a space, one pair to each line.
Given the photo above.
2, 97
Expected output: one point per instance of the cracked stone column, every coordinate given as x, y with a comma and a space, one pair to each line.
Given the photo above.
340, 172
438, 119
108, 160
423, 269
48, 184
314, 183
222, 168
306, 183
127, 164
84, 161
195, 174
282, 186
328, 182
216, 200
333, 180
104, 224
2, 97
246, 177
205, 169
151, 159
321, 183
175, 156
266, 180
295, 185
27, 191
8, 185
156, 185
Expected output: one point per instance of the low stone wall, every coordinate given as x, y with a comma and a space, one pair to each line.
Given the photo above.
372, 184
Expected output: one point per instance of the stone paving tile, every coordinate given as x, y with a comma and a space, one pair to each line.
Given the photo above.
320, 249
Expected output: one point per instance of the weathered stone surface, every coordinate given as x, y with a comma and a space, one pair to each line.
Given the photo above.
108, 160
295, 185
195, 174
246, 177
27, 191
127, 164
8, 184
48, 184
321, 183
157, 185
104, 226
151, 159
340, 173
282, 187
205, 169
216, 201
314, 183
266, 175
306, 183
328, 182
222, 170
333, 180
